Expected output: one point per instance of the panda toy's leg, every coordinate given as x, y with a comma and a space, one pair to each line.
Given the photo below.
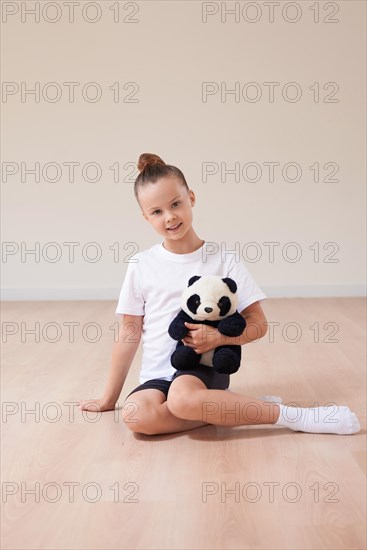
227, 359
184, 357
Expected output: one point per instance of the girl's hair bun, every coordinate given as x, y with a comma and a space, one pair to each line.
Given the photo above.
147, 159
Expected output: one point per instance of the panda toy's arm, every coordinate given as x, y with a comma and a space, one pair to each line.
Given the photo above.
234, 325
177, 329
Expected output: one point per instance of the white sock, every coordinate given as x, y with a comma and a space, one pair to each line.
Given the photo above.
333, 419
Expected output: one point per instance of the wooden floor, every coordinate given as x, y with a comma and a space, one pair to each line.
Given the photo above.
75, 480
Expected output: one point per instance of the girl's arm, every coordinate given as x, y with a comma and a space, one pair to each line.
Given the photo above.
123, 354
256, 326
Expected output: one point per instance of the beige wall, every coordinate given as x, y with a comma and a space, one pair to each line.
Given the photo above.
169, 52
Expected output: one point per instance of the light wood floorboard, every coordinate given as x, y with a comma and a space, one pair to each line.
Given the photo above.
319, 480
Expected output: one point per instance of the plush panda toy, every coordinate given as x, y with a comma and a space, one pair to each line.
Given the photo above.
210, 300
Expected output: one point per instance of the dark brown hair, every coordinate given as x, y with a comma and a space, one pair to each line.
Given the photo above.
151, 168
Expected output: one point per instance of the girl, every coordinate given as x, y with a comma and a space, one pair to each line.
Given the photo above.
167, 400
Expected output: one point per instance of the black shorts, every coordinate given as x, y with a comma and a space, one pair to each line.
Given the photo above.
211, 378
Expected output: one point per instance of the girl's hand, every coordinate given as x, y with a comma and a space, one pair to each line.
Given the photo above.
202, 338
96, 405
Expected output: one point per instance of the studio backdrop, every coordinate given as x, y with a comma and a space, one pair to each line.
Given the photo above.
260, 104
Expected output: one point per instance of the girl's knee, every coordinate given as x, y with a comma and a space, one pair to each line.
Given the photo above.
140, 419
130, 413
185, 396
179, 403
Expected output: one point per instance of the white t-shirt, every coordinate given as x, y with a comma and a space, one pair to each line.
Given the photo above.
154, 282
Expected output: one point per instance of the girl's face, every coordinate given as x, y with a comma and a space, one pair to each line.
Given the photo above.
167, 204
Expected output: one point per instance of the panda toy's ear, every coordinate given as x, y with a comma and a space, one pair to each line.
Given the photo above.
231, 284
194, 279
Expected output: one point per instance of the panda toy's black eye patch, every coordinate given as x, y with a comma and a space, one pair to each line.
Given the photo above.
224, 305
193, 303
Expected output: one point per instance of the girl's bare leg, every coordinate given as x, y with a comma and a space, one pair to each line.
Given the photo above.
191, 405
189, 398
146, 412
